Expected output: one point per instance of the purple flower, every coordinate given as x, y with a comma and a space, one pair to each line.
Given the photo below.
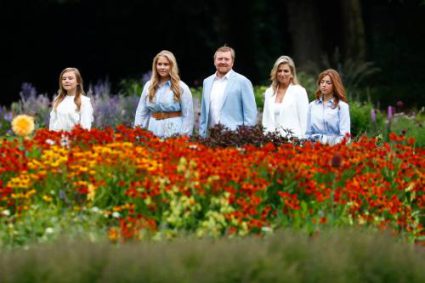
373, 115
146, 76
8, 116
390, 113
27, 91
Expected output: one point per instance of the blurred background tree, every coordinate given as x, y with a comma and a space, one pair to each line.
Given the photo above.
116, 40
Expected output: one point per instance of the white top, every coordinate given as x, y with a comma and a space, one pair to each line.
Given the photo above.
277, 109
217, 98
291, 114
66, 116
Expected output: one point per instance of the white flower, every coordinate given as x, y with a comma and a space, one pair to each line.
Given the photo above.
266, 229
50, 142
95, 209
116, 214
49, 230
5, 212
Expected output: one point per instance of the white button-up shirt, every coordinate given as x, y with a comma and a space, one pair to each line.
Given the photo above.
217, 98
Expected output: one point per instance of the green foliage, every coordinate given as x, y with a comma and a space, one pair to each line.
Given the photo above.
361, 120
410, 126
46, 222
354, 73
309, 83
196, 92
331, 256
131, 87
259, 96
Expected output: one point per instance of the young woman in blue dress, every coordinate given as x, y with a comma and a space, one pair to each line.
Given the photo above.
165, 107
328, 119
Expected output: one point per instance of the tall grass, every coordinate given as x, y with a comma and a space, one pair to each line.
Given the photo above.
332, 256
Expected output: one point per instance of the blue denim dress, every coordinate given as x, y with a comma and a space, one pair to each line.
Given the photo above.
164, 102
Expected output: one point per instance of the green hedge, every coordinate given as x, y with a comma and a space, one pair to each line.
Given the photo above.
332, 256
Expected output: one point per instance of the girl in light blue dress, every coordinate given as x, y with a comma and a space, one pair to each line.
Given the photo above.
328, 119
166, 106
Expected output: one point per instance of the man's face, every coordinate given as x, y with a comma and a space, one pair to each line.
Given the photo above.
223, 62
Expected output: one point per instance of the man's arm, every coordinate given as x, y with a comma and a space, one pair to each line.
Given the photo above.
203, 121
249, 106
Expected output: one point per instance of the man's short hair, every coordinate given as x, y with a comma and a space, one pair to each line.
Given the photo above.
226, 48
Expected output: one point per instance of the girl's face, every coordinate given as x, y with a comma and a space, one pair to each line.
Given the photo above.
326, 86
284, 75
163, 68
69, 81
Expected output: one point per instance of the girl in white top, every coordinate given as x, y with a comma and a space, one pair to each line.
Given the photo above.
285, 101
71, 107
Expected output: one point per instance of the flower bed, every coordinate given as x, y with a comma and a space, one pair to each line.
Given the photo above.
141, 186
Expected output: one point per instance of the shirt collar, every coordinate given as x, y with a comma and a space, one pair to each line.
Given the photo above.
167, 83
330, 101
226, 76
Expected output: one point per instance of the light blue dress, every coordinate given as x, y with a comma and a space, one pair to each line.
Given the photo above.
164, 102
327, 124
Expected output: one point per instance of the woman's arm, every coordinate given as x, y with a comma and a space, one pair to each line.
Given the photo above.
86, 113
268, 120
142, 113
302, 110
187, 111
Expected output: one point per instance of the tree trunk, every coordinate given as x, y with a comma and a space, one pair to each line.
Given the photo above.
353, 30
304, 27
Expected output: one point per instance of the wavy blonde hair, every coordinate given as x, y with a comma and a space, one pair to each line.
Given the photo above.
62, 92
174, 76
273, 73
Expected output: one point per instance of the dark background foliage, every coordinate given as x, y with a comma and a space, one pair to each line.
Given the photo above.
115, 40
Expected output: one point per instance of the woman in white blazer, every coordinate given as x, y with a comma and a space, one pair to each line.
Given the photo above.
285, 101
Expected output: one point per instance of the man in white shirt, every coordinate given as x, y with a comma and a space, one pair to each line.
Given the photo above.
227, 97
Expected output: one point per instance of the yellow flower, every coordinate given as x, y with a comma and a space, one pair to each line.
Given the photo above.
23, 125
47, 198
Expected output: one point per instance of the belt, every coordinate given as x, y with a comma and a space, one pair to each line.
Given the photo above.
166, 115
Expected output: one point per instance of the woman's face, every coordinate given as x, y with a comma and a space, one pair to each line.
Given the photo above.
326, 86
284, 75
163, 67
69, 81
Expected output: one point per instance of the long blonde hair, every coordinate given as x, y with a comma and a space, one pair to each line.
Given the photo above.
174, 76
283, 60
62, 92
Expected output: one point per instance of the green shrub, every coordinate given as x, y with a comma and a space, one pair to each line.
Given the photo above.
309, 83
410, 126
259, 96
131, 87
332, 256
361, 120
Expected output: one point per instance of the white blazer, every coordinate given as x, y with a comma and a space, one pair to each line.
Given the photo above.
291, 115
